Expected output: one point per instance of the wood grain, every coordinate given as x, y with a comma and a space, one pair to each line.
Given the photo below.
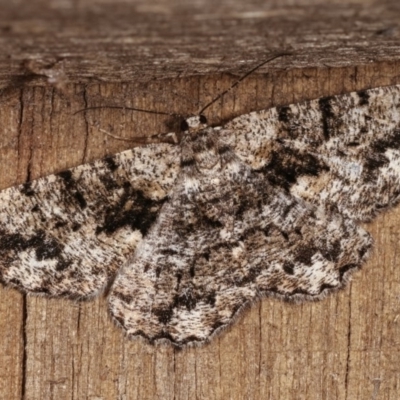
119, 40
345, 347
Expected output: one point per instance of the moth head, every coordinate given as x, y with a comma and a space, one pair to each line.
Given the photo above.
194, 124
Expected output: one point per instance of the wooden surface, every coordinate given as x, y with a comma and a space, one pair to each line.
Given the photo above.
345, 347
141, 40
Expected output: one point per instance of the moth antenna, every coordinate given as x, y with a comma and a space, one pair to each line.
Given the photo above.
179, 115
169, 137
129, 109
241, 79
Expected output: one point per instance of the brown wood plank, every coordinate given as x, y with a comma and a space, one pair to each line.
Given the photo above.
345, 347
110, 41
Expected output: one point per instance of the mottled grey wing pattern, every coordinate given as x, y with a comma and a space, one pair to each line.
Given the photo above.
227, 237
266, 205
340, 153
67, 234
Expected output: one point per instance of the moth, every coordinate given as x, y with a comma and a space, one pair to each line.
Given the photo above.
185, 235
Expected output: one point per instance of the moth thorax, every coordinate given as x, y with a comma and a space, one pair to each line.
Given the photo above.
195, 123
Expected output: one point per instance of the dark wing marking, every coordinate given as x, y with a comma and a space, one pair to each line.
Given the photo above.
340, 152
68, 233
223, 240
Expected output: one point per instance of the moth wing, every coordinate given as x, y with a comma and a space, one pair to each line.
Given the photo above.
217, 247
67, 234
340, 153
